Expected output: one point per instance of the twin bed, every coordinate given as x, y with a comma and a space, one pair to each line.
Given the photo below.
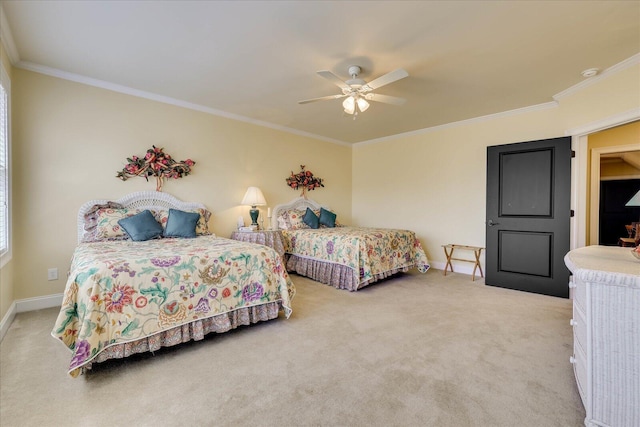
344, 257
125, 297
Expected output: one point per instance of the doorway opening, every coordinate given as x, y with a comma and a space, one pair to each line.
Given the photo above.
613, 175
620, 135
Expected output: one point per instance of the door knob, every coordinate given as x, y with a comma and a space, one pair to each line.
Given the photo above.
490, 223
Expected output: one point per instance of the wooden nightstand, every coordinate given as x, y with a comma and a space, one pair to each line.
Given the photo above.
271, 238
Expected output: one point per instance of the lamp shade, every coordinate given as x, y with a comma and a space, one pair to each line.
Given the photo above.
349, 105
253, 197
635, 200
362, 105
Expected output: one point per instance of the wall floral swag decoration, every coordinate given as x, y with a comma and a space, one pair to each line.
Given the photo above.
155, 163
305, 180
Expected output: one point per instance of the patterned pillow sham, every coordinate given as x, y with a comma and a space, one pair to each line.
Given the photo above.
107, 227
282, 221
202, 228
101, 221
91, 220
293, 219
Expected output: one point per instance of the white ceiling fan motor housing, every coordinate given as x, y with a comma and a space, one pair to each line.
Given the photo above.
355, 83
354, 70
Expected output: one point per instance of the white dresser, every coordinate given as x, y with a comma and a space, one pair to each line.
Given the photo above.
606, 333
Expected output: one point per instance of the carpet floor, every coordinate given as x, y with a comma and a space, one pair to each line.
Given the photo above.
413, 350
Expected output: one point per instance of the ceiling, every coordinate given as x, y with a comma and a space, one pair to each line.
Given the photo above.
255, 60
631, 158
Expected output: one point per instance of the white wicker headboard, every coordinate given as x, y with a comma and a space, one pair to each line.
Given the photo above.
153, 200
299, 203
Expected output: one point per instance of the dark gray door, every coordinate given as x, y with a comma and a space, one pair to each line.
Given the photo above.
528, 214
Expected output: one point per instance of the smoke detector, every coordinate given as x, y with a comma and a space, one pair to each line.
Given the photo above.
590, 72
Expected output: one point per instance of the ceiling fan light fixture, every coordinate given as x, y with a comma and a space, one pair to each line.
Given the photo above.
349, 105
362, 105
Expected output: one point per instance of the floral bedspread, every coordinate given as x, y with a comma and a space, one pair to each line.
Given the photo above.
121, 291
370, 251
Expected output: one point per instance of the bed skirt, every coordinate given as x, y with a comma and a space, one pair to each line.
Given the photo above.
195, 331
336, 275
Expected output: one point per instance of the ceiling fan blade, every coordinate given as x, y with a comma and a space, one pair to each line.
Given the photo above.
323, 98
334, 79
385, 98
385, 80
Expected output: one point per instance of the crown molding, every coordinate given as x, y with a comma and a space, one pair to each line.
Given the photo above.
7, 39
629, 62
54, 72
480, 119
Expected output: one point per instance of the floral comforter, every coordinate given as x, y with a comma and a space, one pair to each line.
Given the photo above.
369, 251
121, 291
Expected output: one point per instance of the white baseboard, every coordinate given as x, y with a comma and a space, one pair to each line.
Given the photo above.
37, 303
7, 319
28, 304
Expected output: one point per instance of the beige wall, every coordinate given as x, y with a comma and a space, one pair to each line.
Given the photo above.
6, 271
434, 182
71, 139
612, 95
627, 135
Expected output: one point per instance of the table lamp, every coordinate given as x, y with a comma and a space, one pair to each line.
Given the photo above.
253, 197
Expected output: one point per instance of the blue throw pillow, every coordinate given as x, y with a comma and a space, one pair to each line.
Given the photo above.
181, 224
142, 226
327, 218
311, 219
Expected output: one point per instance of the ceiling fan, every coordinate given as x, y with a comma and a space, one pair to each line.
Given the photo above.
358, 92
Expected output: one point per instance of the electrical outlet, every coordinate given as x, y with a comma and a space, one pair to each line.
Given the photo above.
52, 274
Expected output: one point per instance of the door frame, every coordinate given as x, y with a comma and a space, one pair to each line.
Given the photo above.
579, 144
